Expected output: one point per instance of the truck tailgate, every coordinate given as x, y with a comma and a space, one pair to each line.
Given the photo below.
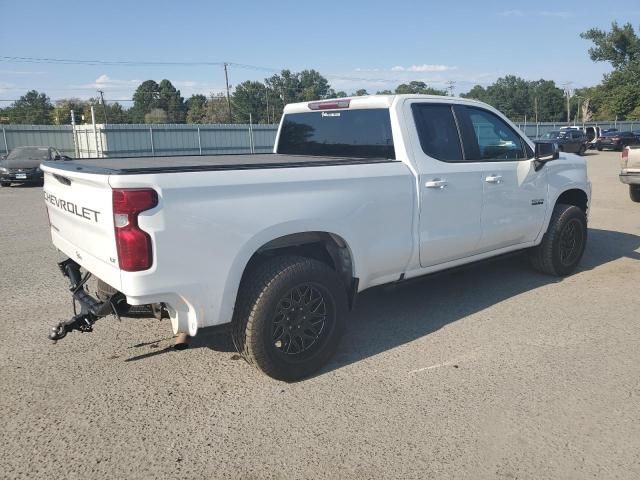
80, 212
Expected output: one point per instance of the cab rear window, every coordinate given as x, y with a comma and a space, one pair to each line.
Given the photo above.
362, 133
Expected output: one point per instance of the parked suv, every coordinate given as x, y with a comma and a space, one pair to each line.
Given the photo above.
569, 140
22, 165
616, 140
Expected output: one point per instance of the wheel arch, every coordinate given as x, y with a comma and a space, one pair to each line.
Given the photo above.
328, 247
574, 196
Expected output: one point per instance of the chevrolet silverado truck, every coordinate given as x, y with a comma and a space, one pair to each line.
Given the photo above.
630, 171
358, 192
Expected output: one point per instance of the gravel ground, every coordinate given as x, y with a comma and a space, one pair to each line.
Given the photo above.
490, 372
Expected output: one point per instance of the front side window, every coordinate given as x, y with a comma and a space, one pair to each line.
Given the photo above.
489, 137
437, 131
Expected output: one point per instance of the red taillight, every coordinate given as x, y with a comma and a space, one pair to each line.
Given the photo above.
331, 105
134, 245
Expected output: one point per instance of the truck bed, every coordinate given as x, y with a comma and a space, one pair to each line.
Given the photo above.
197, 163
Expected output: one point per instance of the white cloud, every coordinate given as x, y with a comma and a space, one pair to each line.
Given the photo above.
423, 68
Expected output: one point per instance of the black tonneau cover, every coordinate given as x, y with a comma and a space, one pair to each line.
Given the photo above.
198, 163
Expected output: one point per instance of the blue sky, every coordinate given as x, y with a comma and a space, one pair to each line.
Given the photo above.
355, 44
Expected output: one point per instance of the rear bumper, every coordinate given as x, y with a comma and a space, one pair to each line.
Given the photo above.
22, 178
91, 308
630, 178
612, 146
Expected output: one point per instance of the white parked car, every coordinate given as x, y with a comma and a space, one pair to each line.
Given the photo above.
630, 171
359, 192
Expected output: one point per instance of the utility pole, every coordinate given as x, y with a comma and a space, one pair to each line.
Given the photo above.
104, 106
226, 79
451, 85
569, 93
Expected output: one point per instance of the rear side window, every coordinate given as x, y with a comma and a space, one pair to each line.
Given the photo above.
364, 133
437, 131
487, 137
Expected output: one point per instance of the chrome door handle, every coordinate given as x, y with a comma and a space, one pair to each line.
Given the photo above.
436, 183
493, 179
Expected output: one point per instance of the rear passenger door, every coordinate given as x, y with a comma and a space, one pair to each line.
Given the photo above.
450, 189
514, 193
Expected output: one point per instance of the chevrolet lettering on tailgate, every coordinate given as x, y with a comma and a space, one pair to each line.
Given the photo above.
83, 212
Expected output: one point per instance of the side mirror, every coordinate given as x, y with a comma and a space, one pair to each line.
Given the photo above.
545, 152
57, 157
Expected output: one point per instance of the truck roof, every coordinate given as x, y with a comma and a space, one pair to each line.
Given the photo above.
376, 101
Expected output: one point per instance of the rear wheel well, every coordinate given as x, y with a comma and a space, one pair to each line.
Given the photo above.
575, 197
327, 248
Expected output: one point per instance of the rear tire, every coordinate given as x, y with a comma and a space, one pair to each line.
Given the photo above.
5, 184
563, 243
599, 149
582, 150
289, 316
634, 193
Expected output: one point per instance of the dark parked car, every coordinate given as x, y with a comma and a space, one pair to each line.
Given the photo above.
22, 165
616, 140
570, 141
637, 134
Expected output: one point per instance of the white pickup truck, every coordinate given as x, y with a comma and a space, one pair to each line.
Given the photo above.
630, 171
359, 192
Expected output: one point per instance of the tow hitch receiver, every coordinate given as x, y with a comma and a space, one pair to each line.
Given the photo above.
90, 308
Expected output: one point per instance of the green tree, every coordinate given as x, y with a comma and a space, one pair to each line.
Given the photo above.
217, 109
478, 92
548, 100
313, 86
250, 97
115, 112
361, 93
196, 108
61, 114
341, 94
418, 87
145, 98
156, 115
33, 108
170, 100
619, 46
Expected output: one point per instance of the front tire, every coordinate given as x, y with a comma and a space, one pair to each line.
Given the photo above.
634, 193
289, 316
563, 243
5, 184
582, 150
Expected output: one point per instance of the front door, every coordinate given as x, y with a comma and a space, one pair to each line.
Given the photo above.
450, 189
514, 193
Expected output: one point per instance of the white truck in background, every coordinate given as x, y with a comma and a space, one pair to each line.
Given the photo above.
359, 192
630, 171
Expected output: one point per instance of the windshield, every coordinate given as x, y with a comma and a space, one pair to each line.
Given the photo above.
30, 153
611, 134
363, 133
552, 135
